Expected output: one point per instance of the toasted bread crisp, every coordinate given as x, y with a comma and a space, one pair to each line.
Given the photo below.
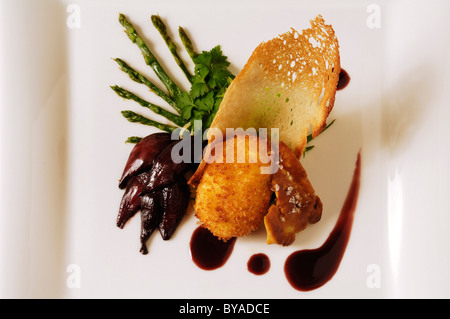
288, 83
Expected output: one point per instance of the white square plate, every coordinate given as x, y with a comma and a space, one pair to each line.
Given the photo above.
63, 151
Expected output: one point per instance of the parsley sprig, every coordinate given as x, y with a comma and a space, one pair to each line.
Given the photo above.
209, 81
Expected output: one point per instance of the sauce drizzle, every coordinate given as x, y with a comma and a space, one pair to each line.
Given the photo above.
258, 264
209, 252
307, 270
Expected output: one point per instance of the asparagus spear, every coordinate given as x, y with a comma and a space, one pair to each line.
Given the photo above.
198, 103
149, 58
178, 120
161, 27
133, 139
137, 118
187, 43
138, 77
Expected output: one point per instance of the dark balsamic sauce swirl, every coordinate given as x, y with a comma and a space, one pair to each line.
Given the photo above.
307, 270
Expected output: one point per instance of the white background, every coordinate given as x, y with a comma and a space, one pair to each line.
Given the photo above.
62, 150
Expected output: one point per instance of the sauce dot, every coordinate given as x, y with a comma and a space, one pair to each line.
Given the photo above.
344, 79
258, 264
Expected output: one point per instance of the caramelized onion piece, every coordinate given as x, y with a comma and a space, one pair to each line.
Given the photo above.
175, 200
142, 156
130, 203
151, 211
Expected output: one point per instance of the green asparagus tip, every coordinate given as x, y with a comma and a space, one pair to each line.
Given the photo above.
158, 23
120, 62
187, 42
122, 18
156, 19
133, 139
120, 92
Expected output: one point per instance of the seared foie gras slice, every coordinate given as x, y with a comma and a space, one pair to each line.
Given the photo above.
297, 205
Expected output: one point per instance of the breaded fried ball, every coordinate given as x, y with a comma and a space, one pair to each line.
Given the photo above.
232, 198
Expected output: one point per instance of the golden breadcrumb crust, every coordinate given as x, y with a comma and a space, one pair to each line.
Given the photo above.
232, 198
